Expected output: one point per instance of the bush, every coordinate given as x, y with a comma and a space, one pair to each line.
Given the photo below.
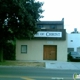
9, 52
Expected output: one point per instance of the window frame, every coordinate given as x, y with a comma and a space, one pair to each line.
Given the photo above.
22, 48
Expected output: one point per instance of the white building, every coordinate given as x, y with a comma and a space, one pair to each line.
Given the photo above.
73, 41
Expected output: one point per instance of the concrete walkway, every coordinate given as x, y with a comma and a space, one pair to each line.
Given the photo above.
63, 65
51, 64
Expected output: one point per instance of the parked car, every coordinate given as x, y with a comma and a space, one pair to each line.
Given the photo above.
74, 56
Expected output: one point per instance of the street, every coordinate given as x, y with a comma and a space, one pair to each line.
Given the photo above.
32, 73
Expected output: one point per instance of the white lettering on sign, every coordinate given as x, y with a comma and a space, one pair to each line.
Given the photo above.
48, 34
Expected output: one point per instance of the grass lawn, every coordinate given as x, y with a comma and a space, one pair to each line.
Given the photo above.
19, 63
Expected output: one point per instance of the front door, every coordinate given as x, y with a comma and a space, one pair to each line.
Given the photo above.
50, 52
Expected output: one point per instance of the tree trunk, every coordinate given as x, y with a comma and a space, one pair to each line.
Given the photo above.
1, 54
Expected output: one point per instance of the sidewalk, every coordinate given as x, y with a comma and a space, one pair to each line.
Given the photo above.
63, 65
47, 64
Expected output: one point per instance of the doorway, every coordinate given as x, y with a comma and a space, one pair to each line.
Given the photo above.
50, 52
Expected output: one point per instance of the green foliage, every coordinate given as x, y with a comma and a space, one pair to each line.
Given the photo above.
18, 19
9, 51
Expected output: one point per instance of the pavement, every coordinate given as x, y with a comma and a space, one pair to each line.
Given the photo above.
51, 64
62, 65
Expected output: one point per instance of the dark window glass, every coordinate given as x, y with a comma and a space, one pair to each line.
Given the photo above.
70, 49
40, 26
52, 26
23, 48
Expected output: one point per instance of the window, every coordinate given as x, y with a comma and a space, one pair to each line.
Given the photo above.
23, 48
52, 27
70, 49
59, 27
40, 26
71, 40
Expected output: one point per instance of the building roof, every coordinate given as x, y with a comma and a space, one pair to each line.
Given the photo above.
50, 22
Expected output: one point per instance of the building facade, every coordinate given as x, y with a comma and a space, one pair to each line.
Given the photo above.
50, 43
73, 42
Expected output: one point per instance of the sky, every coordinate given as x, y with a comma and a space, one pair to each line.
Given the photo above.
58, 9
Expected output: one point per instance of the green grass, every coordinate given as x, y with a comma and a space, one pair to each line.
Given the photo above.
9, 63
18, 63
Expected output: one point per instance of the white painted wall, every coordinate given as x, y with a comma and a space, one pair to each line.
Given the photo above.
35, 49
76, 41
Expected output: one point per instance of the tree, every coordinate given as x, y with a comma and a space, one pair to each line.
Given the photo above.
18, 19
